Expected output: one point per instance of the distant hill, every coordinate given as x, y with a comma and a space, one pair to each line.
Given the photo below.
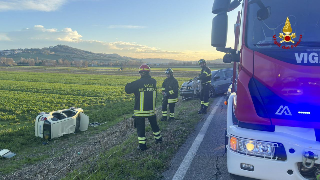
73, 54
216, 61
158, 60
61, 52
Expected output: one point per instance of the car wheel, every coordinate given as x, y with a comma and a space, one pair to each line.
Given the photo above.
78, 124
212, 93
47, 134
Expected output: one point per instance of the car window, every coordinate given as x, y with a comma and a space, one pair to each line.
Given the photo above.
59, 115
228, 74
214, 72
69, 113
220, 74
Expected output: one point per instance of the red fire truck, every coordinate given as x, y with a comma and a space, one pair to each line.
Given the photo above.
273, 119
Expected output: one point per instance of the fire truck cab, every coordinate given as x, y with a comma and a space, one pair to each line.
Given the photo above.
273, 120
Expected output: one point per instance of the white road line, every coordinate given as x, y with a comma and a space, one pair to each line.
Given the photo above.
184, 166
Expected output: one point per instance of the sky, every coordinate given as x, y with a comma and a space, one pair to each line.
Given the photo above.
170, 29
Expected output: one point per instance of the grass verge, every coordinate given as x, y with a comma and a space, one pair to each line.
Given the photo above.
124, 161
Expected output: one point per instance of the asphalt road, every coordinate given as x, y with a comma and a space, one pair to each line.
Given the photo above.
203, 154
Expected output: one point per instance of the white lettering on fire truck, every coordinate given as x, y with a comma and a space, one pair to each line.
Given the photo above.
305, 57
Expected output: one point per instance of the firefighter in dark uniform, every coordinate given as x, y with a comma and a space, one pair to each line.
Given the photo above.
145, 91
170, 89
205, 78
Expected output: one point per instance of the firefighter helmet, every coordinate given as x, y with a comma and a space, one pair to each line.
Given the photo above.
169, 71
201, 61
144, 68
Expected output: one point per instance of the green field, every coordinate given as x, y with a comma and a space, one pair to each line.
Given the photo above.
27, 91
25, 94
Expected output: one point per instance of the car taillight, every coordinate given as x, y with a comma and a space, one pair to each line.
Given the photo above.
43, 118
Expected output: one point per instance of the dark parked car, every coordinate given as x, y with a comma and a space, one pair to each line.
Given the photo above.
220, 81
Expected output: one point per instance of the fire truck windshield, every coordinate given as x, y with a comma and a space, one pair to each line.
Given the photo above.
291, 24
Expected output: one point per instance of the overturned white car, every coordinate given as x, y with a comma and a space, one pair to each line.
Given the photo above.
57, 123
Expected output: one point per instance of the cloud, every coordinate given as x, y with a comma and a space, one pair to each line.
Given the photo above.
138, 48
125, 27
135, 50
39, 37
40, 33
4, 37
37, 5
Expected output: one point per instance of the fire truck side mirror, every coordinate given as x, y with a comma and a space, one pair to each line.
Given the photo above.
232, 56
219, 30
227, 58
220, 6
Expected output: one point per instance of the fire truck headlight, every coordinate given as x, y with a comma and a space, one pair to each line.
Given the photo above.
252, 147
264, 148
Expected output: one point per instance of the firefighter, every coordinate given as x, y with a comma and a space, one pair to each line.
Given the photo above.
145, 91
205, 78
170, 89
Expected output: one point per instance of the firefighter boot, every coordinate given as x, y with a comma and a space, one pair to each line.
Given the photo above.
201, 110
171, 118
142, 147
159, 140
204, 110
164, 118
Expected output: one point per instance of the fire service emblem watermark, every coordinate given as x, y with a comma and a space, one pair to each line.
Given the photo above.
287, 36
